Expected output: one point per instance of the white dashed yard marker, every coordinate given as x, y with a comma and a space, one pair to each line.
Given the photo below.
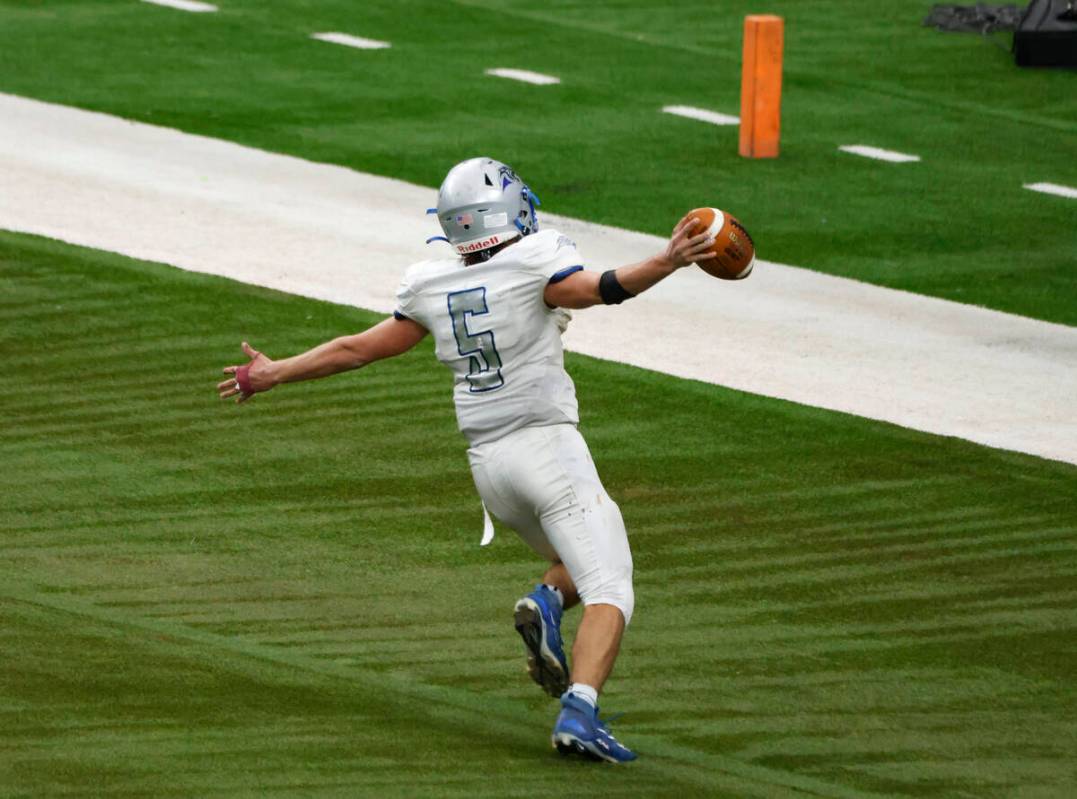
348, 40
1053, 188
878, 154
524, 75
185, 5
702, 114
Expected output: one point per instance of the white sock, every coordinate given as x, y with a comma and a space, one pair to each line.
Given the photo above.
557, 593
585, 692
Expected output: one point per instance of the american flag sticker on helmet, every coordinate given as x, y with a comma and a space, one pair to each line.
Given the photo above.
495, 220
464, 219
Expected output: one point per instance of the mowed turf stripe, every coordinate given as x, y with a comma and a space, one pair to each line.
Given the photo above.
868, 534
867, 553
483, 717
313, 527
209, 729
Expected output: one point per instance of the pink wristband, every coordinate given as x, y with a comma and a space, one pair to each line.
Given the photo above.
243, 380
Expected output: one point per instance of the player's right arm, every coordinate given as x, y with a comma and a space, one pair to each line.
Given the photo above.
388, 338
582, 289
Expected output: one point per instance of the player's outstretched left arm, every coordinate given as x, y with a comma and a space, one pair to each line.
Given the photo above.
586, 288
392, 336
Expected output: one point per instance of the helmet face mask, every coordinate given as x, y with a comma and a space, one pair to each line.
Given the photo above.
482, 204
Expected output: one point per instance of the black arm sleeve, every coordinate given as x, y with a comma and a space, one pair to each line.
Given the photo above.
611, 290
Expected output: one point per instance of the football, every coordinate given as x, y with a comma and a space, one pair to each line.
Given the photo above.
733, 244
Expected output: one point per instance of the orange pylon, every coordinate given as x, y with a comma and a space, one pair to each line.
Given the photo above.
761, 86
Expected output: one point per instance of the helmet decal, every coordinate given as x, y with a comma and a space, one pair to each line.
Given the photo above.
508, 177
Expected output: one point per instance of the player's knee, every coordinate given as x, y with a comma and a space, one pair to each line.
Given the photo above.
617, 591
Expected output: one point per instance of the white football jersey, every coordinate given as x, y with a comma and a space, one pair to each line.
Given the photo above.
492, 327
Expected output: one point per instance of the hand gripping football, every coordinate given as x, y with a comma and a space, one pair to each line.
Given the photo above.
734, 247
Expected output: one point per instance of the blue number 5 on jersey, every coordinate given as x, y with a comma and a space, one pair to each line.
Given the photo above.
485, 372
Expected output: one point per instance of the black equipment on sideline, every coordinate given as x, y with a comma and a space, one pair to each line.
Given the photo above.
1047, 35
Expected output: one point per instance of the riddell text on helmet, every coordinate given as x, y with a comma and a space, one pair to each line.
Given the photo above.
475, 246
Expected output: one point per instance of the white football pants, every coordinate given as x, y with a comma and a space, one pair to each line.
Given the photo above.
541, 482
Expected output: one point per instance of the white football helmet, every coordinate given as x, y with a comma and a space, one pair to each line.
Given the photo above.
482, 203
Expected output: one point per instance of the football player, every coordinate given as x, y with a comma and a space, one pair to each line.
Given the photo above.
496, 311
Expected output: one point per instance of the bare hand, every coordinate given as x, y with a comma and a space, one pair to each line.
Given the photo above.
247, 379
684, 248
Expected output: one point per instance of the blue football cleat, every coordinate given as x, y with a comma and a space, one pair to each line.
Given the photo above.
580, 731
538, 621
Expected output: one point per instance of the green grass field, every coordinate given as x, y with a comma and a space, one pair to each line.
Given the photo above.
288, 598
957, 225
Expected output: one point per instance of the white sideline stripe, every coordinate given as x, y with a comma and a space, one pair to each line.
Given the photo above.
1053, 188
348, 40
702, 114
878, 153
525, 75
185, 5
334, 234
